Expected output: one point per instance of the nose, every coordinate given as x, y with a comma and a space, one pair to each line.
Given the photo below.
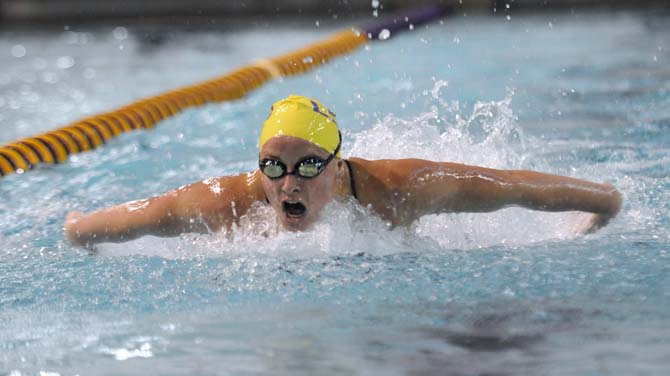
290, 184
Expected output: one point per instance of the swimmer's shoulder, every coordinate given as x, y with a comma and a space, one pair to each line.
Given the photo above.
382, 182
400, 189
222, 199
243, 187
392, 173
383, 179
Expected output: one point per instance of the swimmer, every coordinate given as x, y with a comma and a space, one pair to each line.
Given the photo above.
300, 170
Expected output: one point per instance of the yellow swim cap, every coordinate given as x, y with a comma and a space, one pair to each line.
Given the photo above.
304, 118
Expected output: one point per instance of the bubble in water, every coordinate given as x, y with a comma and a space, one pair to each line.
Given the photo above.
39, 64
70, 37
120, 33
65, 62
89, 73
49, 77
18, 51
384, 34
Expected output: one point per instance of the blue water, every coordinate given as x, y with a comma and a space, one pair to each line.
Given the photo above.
508, 293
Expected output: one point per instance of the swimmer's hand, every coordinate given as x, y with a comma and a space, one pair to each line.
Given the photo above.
73, 232
594, 221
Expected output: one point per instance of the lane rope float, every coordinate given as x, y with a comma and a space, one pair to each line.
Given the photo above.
55, 146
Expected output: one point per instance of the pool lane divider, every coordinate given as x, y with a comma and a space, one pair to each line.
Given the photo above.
92, 132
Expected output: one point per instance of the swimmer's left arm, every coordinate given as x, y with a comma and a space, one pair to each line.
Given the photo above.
433, 187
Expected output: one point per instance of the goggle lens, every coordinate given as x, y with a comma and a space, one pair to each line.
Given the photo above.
309, 169
272, 170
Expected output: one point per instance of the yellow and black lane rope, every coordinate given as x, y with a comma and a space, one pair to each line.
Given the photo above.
89, 133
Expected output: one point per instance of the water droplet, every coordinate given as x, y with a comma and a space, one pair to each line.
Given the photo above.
375, 13
317, 23
384, 34
375, 4
307, 60
70, 37
65, 62
551, 25
39, 64
89, 73
411, 26
49, 77
120, 33
509, 17
18, 51
506, 6
457, 40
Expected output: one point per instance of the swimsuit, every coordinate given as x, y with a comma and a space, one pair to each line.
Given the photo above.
351, 179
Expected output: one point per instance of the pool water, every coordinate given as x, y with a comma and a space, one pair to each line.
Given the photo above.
507, 293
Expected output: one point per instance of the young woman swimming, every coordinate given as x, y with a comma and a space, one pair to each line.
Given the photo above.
301, 170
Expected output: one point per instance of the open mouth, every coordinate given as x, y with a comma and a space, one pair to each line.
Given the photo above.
294, 209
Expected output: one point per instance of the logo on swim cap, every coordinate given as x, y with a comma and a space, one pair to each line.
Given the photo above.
303, 118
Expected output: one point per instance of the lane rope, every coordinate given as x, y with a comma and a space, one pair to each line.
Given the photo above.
56, 146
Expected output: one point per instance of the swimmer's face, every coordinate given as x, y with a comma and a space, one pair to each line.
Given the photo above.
298, 201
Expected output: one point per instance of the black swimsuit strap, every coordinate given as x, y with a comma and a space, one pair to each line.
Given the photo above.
351, 179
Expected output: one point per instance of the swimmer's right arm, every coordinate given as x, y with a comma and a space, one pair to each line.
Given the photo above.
200, 207
407, 189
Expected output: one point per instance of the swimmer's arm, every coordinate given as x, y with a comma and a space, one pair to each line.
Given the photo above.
200, 207
450, 187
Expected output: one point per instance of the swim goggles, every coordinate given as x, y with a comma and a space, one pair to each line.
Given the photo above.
307, 168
